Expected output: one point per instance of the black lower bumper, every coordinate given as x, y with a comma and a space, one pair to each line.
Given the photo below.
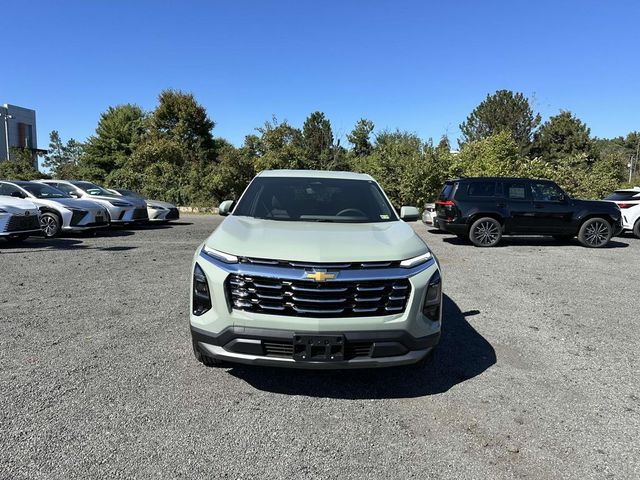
280, 347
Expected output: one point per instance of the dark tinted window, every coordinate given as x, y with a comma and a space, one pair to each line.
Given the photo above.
516, 190
315, 200
624, 196
63, 187
546, 192
6, 189
447, 190
482, 189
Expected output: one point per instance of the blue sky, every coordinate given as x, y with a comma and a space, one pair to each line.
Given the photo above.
414, 65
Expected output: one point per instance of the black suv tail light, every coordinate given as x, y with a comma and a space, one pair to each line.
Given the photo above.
433, 298
201, 294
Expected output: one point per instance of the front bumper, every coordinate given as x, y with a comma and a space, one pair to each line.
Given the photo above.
271, 347
396, 338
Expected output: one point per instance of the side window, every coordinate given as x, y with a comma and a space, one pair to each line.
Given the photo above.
8, 190
481, 189
546, 192
516, 190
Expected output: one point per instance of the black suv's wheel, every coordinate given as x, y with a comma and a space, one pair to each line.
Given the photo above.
204, 359
636, 229
50, 224
595, 233
485, 232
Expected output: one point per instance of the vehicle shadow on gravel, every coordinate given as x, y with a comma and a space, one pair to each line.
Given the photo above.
534, 242
462, 354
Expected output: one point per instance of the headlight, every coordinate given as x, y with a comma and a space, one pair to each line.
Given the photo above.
218, 255
433, 298
412, 262
78, 210
156, 207
118, 203
201, 294
3, 211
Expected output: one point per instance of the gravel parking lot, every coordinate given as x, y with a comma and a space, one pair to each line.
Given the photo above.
537, 374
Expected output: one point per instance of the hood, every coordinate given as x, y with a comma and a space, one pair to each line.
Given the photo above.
316, 241
136, 202
161, 203
73, 203
17, 206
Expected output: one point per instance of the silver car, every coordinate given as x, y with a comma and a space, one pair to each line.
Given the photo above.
58, 211
158, 210
18, 219
122, 210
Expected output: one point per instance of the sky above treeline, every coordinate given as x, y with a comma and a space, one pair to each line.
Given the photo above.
413, 65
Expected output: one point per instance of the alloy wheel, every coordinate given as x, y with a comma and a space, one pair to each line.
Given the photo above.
49, 225
597, 233
486, 233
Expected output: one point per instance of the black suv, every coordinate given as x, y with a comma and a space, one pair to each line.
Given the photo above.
483, 209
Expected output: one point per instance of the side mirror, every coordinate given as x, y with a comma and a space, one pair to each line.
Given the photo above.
17, 194
409, 214
225, 207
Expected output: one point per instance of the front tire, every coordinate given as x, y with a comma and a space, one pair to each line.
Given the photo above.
595, 233
636, 229
485, 232
50, 224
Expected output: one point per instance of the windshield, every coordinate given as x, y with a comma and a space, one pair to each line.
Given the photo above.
93, 189
315, 200
128, 193
40, 190
622, 195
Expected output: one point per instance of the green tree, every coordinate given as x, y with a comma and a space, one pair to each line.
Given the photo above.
360, 138
563, 136
119, 131
62, 159
496, 155
20, 167
318, 141
180, 117
279, 145
502, 111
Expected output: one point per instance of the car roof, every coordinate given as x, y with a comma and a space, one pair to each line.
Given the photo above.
315, 174
628, 190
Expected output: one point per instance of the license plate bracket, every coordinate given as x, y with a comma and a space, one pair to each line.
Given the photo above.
318, 348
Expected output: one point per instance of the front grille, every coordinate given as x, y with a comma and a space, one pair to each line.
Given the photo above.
22, 223
329, 266
173, 214
77, 217
140, 214
285, 349
313, 299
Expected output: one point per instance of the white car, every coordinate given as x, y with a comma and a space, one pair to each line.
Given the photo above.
58, 211
628, 200
429, 215
19, 219
122, 210
158, 211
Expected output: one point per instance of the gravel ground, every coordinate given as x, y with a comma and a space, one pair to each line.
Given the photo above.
536, 376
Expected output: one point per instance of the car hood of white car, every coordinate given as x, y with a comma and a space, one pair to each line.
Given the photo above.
69, 203
316, 242
17, 206
160, 203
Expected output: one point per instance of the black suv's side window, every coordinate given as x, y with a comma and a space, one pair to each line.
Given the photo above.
516, 190
481, 189
546, 192
8, 190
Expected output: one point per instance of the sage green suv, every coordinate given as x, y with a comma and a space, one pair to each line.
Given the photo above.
314, 269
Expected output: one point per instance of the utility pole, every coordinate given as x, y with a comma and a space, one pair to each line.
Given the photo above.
6, 130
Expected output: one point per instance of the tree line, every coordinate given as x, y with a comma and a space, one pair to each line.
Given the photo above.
171, 153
